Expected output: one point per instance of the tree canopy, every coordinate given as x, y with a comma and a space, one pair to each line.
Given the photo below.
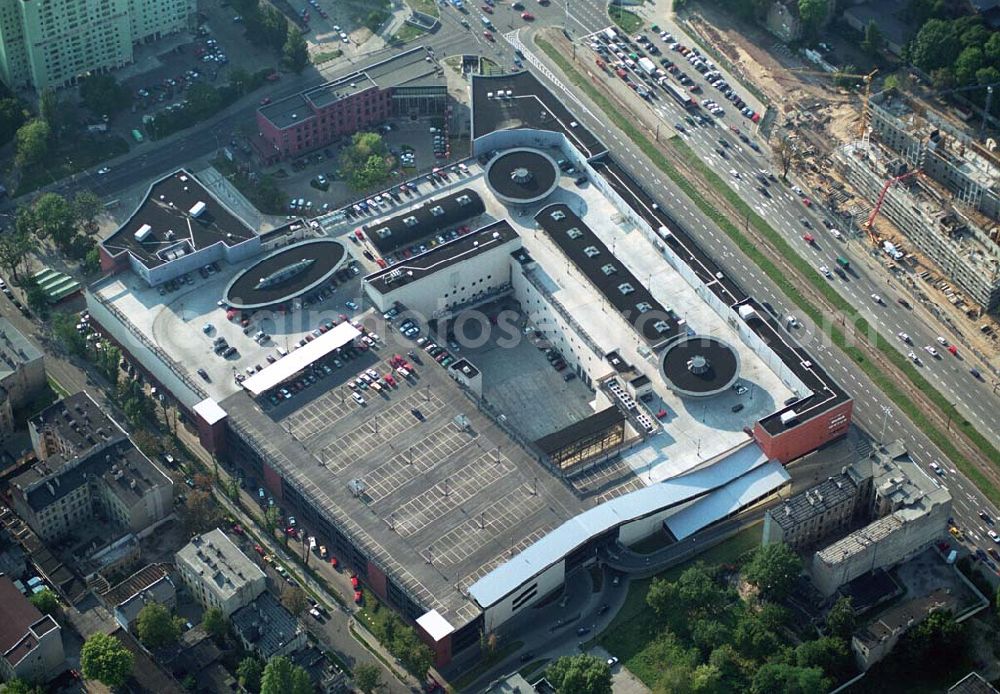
368, 677
840, 620
580, 674
295, 52
812, 14
45, 601
105, 659
32, 142
215, 623
282, 677
157, 626
200, 512
935, 46
364, 163
103, 95
773, 569
249, 672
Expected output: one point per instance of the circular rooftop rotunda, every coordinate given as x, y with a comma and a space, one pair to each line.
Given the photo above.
522, 176
286, 274
698, 366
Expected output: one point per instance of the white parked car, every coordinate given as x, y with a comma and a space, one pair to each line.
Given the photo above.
877, 299
904, 337
931, 351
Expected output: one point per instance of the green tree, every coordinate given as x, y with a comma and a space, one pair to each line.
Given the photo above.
922, 10
86, 208
773, 569
368, 678
987, 75
992, 48
54, 219
937, 639
874, 40
732, 668
19, 686
935, 46
215, 623
294, 600
364, 163
580, 674
45, 601
780, 678
51, 109
157, 627
969, 61
840, 620
709, 634
830, 654
943, 78
249, 672
14, 249
32, 142
105, 659
282, 677
64, 330
37, 299
11, 118
295, 52
753, 638
813, 13
203, 100
201, 513
103, 95
707, 679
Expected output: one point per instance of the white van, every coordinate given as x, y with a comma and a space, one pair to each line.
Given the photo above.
282, 352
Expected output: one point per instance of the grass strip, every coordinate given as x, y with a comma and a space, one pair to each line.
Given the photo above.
787, 286
629, 22
326, 56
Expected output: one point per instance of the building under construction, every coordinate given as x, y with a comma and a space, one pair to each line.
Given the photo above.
948, 213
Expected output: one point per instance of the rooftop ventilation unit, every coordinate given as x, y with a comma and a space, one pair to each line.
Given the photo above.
574, 232
197, 209
591, 251
626, 288
144, 231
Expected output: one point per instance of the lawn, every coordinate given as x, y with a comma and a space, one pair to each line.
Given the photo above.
69, 157
635, 625
326, 56
489, 67
789, 284
426, 6
629, 22
408, 32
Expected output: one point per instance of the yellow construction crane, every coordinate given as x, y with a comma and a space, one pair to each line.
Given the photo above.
867, 79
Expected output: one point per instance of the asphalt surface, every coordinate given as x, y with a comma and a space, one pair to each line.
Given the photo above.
873, 410
783, 210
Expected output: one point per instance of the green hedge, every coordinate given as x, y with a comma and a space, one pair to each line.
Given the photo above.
787, 285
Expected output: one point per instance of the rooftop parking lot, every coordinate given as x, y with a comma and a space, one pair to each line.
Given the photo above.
452, 494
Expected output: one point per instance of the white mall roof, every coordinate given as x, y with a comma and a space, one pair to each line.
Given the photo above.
209, 410
436, 626
729, 499
295, 361
507, 577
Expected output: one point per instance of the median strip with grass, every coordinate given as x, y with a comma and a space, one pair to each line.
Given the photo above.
787, 286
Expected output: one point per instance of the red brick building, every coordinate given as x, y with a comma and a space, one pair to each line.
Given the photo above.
408, 84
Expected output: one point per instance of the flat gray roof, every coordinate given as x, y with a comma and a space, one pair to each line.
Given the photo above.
167, 212
408, 69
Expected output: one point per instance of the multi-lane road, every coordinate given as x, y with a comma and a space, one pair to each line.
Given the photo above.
872, 409
783, 209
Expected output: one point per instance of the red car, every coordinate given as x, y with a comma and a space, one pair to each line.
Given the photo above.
354, 582
807, 202
358, 597
333, 562
527, 16
487, 9
381, 263
809, 238
259, 550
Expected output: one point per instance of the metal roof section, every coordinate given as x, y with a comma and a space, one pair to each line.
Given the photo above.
178, 216
295, 361
519, 100
409, 69
209, 410
436, 626
506, 578
655, 323
715, 506
429, 217
441, 256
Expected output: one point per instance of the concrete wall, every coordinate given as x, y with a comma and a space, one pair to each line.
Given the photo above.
434, 294
525, 596
170, 375
637, 530
807, 436
911, 537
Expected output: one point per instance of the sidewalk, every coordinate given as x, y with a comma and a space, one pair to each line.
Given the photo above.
396, 678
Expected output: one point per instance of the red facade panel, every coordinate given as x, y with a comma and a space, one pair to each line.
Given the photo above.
376, 581
807, 436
